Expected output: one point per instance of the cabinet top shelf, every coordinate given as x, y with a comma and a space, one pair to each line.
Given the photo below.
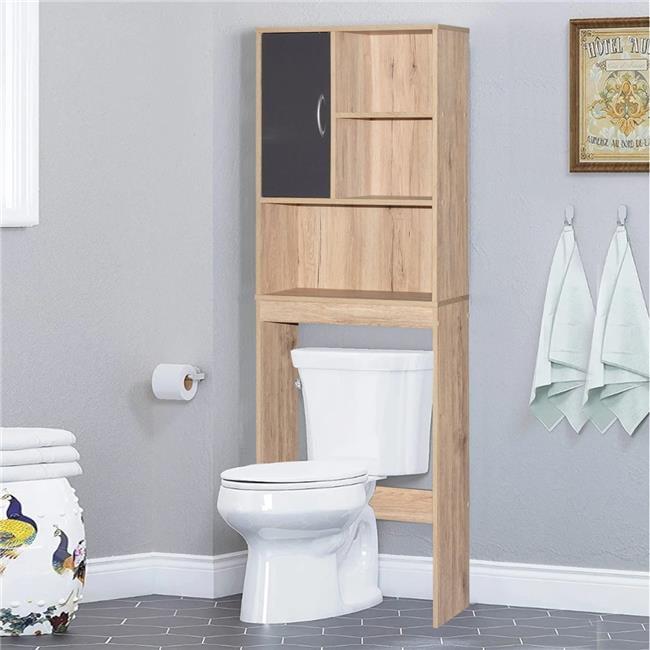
377, 29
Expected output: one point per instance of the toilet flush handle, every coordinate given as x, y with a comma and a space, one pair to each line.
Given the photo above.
298, 384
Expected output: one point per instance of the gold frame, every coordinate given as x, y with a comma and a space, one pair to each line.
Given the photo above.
575, 162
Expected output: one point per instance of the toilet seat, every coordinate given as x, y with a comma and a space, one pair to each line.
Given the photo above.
295, 475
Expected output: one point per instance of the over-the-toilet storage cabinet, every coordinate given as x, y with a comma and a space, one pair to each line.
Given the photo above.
362, 220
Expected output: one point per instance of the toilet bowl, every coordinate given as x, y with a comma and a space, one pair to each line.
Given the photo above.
311, 535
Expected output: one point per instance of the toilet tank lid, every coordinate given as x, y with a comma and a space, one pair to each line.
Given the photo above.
299, 471
361, 359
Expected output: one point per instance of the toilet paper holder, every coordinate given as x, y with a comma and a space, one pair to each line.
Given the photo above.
195, 375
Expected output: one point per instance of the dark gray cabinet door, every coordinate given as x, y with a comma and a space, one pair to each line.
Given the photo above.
295, 114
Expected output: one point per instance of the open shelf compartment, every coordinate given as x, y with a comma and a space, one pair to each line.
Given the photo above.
345, 248
383, 157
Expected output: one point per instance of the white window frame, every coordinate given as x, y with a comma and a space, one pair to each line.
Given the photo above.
19, 204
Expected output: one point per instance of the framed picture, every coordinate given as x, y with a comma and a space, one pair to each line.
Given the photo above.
609, 93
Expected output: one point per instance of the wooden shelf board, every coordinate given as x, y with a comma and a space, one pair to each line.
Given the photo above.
403, 504
344, 307
385, 116
388, 201
351, 294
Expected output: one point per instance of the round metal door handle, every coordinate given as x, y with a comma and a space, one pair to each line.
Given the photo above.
321, 129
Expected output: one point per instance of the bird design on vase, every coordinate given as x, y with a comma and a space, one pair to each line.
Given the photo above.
63, 560
16, 530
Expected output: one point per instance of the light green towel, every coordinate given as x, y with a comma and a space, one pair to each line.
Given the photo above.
617, 381
565, 334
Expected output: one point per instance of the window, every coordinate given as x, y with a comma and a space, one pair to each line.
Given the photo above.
19, 112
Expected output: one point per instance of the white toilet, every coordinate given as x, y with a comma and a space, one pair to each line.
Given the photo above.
312, 537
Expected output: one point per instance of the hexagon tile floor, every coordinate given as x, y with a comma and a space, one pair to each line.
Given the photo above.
169, 622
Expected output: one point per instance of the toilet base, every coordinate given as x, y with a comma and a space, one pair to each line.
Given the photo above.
309, 580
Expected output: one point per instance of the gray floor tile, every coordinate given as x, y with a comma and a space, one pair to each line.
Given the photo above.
618, 644
286, 631
153, 597
216, 613
158, 640
474, 622
116, 630
423, 612
617, 626
518, 613
361, 630
129, 612
245, 640
209, 630
640, 635
400, 641
321, 641
395, 623
567, 613
366, 646
84, 618
622, 618
120, 602
383, 612
331, 622
173, 621
516, 631
555, 622
480, 641
47, 640
560, 641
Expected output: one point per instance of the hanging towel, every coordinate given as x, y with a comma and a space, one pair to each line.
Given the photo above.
12, 438
617, 381
38, 472
565, 334
36, 456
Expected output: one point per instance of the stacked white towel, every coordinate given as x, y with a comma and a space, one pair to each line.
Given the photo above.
30, 454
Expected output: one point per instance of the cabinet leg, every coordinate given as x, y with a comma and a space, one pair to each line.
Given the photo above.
451, 465
276, 419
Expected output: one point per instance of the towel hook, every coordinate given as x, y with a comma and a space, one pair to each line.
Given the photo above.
569, 213
622, 215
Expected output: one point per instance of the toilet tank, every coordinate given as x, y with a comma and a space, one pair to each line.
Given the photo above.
371, 405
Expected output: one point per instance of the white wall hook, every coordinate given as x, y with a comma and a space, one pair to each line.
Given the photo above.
569, 213
622, 215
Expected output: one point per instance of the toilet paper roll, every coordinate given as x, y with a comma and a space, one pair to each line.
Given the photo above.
173, 381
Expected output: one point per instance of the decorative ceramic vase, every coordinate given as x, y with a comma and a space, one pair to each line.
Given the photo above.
42, 556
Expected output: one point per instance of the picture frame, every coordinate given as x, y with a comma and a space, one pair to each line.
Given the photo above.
609, 80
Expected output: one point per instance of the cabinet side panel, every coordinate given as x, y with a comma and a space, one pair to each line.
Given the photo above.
277, 403
450, 335
451, 458
452, 164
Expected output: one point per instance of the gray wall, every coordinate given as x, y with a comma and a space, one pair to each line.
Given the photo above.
145, 253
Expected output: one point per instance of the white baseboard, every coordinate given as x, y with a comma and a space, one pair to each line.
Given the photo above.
560, 587
200, 576
503, 583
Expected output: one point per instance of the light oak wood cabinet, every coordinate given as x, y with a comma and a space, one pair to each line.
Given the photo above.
367, 223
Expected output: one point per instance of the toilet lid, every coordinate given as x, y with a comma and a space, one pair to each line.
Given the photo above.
303, 474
